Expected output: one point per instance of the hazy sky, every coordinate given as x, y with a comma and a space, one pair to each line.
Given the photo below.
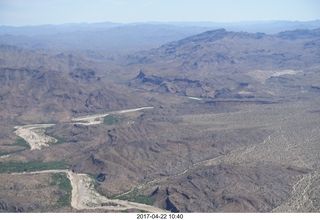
35, 12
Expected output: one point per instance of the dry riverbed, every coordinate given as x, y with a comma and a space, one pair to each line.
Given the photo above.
84, 196
34, 135
98, 119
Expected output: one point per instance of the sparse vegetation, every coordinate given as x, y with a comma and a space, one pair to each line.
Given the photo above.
135, 197
59, 141
251, 144
49, 122
10, 152
20, 142
96, 184
110, 119
32, 166
62, 181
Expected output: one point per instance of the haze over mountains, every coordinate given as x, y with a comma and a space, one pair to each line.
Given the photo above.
117, 37
202, 120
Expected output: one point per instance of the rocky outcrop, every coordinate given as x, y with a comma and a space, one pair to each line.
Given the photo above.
83, 75
155, 83
170, 206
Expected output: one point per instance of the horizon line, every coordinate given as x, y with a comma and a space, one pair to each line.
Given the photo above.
160, 22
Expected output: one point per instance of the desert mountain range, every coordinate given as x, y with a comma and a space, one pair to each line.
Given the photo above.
220, 121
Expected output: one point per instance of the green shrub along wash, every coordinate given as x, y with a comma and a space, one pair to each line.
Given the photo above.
32, 166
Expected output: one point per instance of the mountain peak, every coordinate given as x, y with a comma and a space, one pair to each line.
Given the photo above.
209, 36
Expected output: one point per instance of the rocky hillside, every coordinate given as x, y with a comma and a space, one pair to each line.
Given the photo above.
223, 51
222, 64
40, 86
231, 124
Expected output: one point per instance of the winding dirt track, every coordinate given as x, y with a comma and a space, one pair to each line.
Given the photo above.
85, 197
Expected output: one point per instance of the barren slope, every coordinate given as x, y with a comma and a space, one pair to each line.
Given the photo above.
246, 140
